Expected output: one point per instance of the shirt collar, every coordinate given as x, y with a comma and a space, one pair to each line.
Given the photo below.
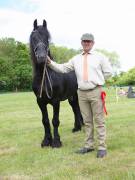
90, 52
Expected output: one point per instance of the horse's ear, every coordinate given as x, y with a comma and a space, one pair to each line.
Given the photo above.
35, 24
44, 23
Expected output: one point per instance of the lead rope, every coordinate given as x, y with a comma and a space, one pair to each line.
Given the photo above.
42, 83
49, 81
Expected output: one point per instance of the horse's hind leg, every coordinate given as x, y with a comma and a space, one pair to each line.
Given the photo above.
73, 101
47, 141
55, 121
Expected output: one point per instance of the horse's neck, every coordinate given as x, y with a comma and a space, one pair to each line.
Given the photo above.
40, 68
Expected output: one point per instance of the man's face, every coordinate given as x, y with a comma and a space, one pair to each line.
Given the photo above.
87, 45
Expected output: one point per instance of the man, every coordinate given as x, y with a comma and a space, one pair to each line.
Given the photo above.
92, 69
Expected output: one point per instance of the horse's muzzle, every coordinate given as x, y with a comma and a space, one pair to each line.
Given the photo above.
41, 59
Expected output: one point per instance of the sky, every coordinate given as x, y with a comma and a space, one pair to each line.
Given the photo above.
110, 21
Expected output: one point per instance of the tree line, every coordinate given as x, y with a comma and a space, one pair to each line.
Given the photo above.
16, 66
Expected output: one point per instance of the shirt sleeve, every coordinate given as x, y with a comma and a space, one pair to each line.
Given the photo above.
106, 68
63, 68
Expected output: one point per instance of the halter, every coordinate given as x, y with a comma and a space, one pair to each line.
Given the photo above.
39, 43
45, 70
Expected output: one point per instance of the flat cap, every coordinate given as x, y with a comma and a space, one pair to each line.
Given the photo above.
88, 37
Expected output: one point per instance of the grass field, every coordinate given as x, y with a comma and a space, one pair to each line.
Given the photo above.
21, 133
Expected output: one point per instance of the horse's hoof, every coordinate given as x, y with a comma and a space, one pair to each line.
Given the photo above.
46, 143
56, 143
76, 129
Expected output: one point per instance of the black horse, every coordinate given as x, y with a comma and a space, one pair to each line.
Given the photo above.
51, 87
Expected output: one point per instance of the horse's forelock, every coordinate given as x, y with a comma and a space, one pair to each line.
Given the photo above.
43, 31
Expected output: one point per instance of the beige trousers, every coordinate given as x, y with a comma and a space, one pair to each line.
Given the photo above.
91, 107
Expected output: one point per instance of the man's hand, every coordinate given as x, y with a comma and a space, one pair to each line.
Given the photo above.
48, 60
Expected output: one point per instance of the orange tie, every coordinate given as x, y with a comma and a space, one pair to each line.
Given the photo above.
85, 68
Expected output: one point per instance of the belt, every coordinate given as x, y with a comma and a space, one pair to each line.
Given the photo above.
98, 86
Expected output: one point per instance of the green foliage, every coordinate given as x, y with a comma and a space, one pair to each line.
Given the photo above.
62, 54
126, 78
15, 67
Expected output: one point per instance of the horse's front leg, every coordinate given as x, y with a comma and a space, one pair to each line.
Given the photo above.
55, 121
47, 141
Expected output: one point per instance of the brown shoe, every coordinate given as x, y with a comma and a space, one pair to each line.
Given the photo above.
101, 153
84, 150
